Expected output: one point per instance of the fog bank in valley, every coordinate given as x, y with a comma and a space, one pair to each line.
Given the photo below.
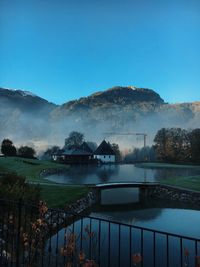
43, 124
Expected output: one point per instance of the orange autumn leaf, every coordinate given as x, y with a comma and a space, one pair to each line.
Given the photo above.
137, 258
186, 252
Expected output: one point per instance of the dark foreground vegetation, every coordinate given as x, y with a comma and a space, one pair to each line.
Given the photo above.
33, 236
20, 179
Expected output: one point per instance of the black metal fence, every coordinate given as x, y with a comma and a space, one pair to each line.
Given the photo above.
33, 236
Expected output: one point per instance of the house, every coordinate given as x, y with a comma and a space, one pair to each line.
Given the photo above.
105, 153
82, 154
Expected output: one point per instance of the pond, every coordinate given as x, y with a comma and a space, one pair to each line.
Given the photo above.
124, 205
113, 245
117, 173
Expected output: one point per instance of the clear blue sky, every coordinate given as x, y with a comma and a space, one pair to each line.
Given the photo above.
65, 49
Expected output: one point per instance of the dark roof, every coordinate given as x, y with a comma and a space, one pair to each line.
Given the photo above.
104, 149
86, 148
82, 150
76, 152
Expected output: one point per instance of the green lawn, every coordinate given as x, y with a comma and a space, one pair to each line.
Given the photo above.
29, 168
59, 196
166, 165
189, 182
54, 194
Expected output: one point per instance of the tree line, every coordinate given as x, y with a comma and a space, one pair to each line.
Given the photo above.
8, 149
140, 154
177, 145
174, 145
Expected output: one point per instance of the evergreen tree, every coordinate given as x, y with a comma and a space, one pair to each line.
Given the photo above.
7, 148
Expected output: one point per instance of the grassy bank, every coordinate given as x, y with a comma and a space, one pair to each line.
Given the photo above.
60, 196
156, 165
188, 182
54, 194
29, 168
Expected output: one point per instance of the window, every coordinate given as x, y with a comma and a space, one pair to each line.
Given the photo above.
104, 157
109, 157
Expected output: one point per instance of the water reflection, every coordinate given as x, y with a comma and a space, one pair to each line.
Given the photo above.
116, 173
114, 245
120, 196
126, 205
104, 172
172, 220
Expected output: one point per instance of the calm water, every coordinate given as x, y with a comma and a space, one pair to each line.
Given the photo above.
111, 244
116, 173
124, 205
177, 221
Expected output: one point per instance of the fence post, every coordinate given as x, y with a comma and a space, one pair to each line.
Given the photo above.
18, 233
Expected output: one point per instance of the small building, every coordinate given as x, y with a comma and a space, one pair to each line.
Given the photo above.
82, 154
105, 153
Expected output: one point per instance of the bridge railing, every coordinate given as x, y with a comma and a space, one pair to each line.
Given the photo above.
34, 236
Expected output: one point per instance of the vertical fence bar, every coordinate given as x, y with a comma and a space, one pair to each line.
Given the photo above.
74, 238
142, 247
90, 239
99, 247
108, 244
181, 251
168, 250
130, 246
50, 234
57, 233
81, 244
12, 222
29, 250
119, 248
64, 244
196, 253
7, 238
196, 248
24, 231
18, 233
2, 238
154, 249
43, 251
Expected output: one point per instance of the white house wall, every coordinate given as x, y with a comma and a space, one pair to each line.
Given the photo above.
106, 158
54, 157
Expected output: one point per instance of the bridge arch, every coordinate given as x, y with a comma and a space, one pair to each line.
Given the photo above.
143, 187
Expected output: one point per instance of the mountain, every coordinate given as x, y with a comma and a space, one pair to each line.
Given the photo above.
23, 116
24, 101
27, 117
124, 109
112, 106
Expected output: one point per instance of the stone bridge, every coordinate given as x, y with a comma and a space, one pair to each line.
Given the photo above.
143, 187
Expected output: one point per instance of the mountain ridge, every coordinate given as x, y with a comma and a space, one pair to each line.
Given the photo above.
28, 118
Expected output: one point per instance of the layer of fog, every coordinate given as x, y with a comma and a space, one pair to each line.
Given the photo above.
43, 129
